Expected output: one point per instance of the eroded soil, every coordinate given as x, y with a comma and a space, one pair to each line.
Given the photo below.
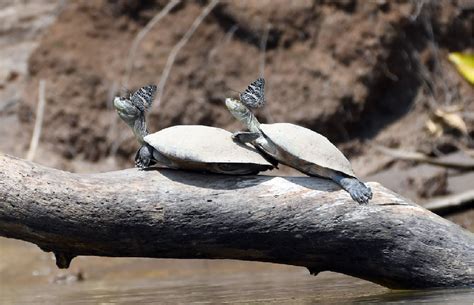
359, 72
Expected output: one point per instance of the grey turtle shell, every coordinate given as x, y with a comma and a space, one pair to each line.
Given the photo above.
205, 144
307, 145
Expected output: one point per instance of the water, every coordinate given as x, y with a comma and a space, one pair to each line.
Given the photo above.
28, 276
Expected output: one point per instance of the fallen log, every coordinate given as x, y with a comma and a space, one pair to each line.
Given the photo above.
299, 221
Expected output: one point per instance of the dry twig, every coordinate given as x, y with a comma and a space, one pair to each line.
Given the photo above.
263, 50
174, 52
39, 121
419, 157
136, 42
223, 42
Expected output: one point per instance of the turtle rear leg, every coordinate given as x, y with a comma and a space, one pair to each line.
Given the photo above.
245, 136
358, 190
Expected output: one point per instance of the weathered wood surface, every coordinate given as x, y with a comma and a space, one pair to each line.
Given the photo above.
290, 220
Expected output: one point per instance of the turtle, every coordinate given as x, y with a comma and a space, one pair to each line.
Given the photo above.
189, 147
297, 147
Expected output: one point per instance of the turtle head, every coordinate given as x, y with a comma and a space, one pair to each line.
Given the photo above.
135, 107
237, 108
133, 116
242, 113
127, 111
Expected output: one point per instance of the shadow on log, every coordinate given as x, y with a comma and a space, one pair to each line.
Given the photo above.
298, 221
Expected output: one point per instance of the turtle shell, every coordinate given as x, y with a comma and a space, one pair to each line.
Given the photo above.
198, 143
308, 146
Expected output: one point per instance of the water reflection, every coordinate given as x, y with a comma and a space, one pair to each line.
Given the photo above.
435, 296
27, 276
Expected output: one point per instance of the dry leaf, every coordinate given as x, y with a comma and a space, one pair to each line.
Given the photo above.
453, 120
433, 128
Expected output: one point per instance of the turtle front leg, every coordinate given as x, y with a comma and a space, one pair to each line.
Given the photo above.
259, 142
245, 136
144, 156
357, 189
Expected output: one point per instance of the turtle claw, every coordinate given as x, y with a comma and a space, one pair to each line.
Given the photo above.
358, 190
139, 164
362, 194
360, 197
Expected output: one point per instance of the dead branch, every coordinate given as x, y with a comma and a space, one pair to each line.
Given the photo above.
300, 221
452, 203
419, 157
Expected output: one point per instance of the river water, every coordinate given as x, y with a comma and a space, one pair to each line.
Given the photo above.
29, 276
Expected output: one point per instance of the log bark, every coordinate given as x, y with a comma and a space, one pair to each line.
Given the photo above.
299, 221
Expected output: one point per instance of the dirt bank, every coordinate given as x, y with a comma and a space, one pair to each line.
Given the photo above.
360, 72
